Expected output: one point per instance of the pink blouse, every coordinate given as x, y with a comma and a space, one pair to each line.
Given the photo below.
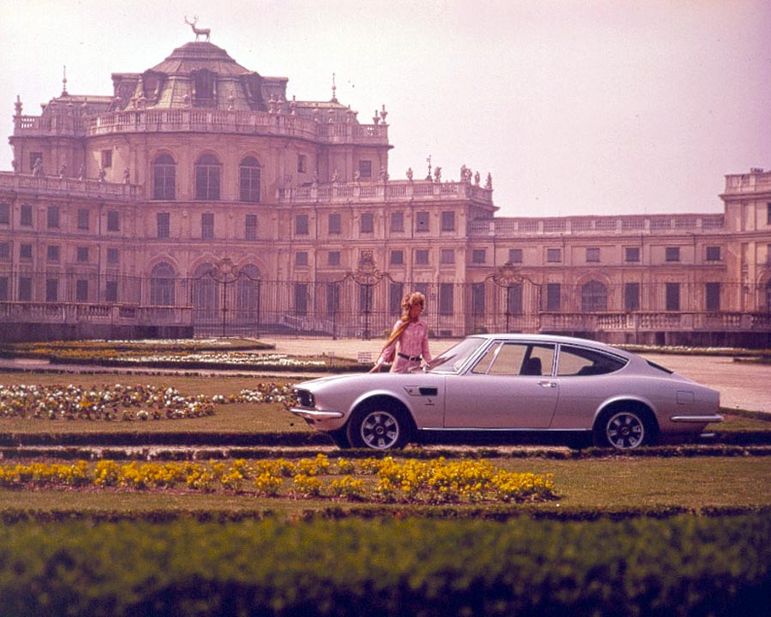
413, 343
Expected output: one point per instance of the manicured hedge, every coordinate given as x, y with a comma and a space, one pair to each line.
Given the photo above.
684, 565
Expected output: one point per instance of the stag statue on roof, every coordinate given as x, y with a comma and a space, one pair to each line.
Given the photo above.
198, 31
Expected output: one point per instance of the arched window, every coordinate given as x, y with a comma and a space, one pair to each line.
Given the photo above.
594, 297
205, 297
164, 177
207, 178
162, 282
249, 180
248, 294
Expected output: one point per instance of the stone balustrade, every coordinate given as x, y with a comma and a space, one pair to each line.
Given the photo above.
72, 187
391, 190
202, 121
503, 227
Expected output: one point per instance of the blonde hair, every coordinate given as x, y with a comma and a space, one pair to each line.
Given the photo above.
410, 300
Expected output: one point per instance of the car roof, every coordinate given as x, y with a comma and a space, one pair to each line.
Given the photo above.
553, 338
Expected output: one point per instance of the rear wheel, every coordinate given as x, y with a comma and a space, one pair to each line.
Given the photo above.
624, 429
379, 426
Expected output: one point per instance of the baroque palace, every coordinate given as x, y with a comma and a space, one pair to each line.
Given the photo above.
199, 199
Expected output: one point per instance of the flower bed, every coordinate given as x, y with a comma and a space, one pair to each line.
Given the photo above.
124, 403
380, 480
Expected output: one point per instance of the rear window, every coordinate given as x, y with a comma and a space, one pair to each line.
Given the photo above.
580, 362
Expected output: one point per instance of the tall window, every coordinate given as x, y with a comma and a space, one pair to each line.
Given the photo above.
250, 231
712, 299
106, 159
113, 220
632, 296
207, 178
25, 289
164, 177
514, 299
162, 224
334, 223
52, 217
83, 216
448, 220
672, 292
397, 221
5, 251
25, 215
594, 297
446, 299
301, 298
395, 294
162, 279
207, 226
52, 290
111, 291
4, 289
478, 298
421, 221
367, 223
333, 298
365, 169
81, 290
302, 163
301, 225
249, 180
553, 295
5, 214
81, 254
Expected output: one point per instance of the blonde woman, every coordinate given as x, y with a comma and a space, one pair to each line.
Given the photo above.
407, 346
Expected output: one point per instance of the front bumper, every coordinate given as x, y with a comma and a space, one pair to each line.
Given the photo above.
315, 415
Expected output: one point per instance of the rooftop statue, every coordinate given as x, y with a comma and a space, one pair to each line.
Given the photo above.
198, 31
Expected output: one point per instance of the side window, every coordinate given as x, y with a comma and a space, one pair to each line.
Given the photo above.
516, 359
577, 361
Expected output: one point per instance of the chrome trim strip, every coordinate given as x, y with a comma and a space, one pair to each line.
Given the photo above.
697, 419
313, 414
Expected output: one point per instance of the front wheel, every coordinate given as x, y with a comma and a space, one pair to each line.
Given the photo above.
623, 430
379, 427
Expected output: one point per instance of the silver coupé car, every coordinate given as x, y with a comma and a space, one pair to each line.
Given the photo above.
497, 383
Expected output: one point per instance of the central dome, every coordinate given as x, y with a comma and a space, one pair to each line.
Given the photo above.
195, 56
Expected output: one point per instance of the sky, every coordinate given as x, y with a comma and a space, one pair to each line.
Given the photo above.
574, 106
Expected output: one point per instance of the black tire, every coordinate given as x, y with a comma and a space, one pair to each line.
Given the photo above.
379, 426
624, 428
340, 438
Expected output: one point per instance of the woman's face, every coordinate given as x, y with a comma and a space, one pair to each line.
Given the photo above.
415, 310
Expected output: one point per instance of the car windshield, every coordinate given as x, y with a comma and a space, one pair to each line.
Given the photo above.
451, 360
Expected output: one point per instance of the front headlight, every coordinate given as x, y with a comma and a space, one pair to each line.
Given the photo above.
305, 398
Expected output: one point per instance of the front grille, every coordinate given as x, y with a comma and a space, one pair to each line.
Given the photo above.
304, 398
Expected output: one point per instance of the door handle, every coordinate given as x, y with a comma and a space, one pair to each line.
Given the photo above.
547, 384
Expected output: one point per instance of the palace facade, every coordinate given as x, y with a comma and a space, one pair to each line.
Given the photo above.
199, 199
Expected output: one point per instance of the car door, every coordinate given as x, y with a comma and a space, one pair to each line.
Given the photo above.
510, 387
586, 378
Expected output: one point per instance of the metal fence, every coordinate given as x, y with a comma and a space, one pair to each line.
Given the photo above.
227, 301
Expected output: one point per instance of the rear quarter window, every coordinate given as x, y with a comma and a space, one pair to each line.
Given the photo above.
577, 361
